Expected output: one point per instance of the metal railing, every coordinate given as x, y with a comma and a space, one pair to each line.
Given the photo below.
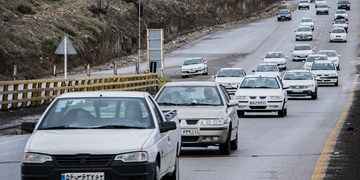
25, 93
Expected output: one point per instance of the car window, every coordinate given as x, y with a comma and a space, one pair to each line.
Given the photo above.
260, 82
302, 48
230, 73
157, 113
338, 31
298, 76
323, 66
193, 61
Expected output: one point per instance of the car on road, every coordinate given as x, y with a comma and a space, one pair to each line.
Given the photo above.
341, 23
314, 57
307, 21
338, 34
322, 9
303, 33
344, 4
301, 83
333, 56
103, 134
230, 78
207, 114
341, 14
276, 57
193, 66
262, 93
267, 69
284, 14
325, 73
320, 2
301, 51
303, 4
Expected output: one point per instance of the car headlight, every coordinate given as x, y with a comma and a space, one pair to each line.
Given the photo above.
133, 157
333, 74
36, 158
310, 85
209, 122
275, 97
240, 97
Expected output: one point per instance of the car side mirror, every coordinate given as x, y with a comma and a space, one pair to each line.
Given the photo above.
339, 55
285, 87
291, 49
253, 70
181, 65
167, 126
262, 57
232, 103
28, 126
214, 77
205, 62
286, 57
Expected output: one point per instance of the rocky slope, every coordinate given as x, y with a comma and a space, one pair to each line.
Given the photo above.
101, 30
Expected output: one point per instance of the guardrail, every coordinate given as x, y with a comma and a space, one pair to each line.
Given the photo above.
25, 93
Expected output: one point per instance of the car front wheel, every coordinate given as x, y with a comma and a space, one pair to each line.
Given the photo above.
175, 175
282, 112
234, 143
225, 148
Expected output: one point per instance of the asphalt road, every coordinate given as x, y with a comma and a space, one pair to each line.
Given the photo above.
269, 147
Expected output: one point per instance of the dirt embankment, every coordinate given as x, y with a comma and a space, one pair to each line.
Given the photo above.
101, 30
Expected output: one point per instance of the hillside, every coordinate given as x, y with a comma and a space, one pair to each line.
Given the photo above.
101, 30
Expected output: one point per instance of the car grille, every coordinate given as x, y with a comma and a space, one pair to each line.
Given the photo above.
260, 97
83, 160
297, 87
191, 122
189, 138
257, 107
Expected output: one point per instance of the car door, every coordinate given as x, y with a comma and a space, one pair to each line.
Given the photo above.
230, 111
167, 141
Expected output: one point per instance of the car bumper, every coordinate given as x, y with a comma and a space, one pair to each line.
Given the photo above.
267, 107
300, 57
326, 81
300, 92
195, 72
207, 136
120, 170
340, 39
304, 37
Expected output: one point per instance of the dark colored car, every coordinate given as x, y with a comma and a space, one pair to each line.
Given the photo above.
284, 14
344, 4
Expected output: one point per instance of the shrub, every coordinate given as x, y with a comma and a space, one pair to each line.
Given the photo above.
24, 9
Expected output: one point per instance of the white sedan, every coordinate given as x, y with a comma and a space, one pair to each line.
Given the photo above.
341, 14
193, 66
341, 23
314, 57
333, 56
301, 51
261, 93
325, 72
230, 78
303, 33
307, 21
267, 69
276, 57
301, 83
338, 34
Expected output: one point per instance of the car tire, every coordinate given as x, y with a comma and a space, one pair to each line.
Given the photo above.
157, 172
282, 112
240, 113
207, 71
235, 142
314, 96
317, 13
337, 83
176, 173
225, 148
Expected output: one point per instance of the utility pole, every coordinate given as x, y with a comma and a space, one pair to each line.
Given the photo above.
139, 51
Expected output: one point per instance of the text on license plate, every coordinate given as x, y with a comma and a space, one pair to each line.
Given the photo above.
83, 176
257, 102
189, 132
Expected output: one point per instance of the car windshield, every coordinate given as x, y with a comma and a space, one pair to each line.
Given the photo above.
284, 12
340, 12
302, 48
323, 66
260, 82
267, 68
230, 73
315, 58
99, 112
306, 20
192, 61
189, 96
303, 1
304, 29
274, 55
322, 6
328, 53
340, 21
337, 31
298, 76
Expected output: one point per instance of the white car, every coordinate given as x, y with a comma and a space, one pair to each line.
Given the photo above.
314, 57
303, 33
104, 135
341, 14
193, 66
230, 78
307, 21
207, 114
322, 9
304, 4
262, 93
338, 34
333, 56
267, 69
301, 83
341, 23
325, 72
276, 57
301, 51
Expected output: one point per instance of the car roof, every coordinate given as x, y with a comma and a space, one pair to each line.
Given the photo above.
193, 58
191, 83
306, 18
317, 55
272, 52
326, 50
258, 75
304, 27
298, 70
337, 27
303, 45
324, 61
267, 63
88, 94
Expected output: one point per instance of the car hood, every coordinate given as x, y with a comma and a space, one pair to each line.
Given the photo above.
88, 141
304, 32
268, 73
272, 60
196, 112
193, 66
338, 34
298, 82
302, 52
307, 24
318, 72
258, 92
229, 79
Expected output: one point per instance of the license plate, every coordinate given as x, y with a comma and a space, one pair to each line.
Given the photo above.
83, 176
190, 132
297, 90
257, 102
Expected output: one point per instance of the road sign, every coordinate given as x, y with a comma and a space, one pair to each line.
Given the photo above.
155, 52
65, 47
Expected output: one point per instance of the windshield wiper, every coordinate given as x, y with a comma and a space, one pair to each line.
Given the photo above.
247, 87
169, 104
62, 127
118, 127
